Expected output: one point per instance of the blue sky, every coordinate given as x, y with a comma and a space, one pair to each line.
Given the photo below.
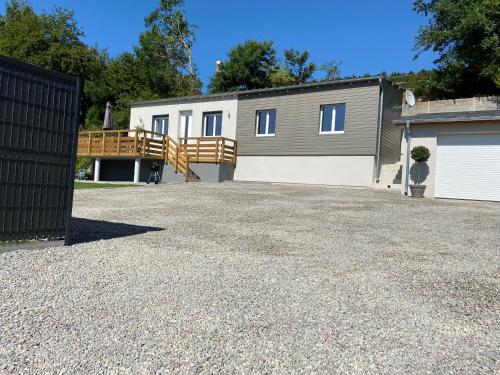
368, 36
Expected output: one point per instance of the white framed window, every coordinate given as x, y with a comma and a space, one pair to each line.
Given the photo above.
160, 125
212, 124
332, 119
265, 123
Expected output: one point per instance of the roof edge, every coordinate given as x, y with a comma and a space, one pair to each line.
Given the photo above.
237, 94
447, 117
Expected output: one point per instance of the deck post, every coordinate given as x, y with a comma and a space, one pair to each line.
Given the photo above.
216, 155
197, 150
167, 150
97, 169
223, 146
144, 145
177, 158
136, 143
118, 151
137, 170
163, 148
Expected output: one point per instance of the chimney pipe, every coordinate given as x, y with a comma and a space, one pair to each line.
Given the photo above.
217, 66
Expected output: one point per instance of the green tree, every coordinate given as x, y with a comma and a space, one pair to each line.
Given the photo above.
422, 83
50, 40
294, 70
160, 66
282, 77
249, 66
466, 35
298, 66
170, 34
331, 69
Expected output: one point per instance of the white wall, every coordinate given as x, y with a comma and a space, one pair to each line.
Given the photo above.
321, 170
426, 135
145, 113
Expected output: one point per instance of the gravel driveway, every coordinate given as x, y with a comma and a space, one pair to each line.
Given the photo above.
258, 278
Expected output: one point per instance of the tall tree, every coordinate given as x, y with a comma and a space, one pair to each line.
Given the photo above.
249, 66
331, 69
466, 35
160, 65
297, 64
50, 40
170, 34
294, 69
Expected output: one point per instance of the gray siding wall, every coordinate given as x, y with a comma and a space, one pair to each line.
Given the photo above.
390, 145
297, 122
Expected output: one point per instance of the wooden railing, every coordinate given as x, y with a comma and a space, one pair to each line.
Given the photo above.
174, 155
132, 143
210, 149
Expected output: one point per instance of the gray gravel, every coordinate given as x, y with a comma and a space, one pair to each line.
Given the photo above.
258, 278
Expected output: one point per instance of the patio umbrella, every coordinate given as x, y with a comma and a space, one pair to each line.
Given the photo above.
108, 117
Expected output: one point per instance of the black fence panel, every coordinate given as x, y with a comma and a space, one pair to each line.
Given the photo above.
39, 118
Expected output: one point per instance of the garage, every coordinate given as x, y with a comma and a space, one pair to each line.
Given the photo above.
468, 166
464, 150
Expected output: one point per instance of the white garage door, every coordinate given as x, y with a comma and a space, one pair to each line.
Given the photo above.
468, 166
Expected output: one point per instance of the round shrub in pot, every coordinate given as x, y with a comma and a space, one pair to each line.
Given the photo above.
420, 154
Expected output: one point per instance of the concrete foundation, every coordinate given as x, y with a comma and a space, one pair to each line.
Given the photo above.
123, 170
126, 170
321, 170
207, 172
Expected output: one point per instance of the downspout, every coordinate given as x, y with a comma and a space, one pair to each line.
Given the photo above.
379, 130
408, 146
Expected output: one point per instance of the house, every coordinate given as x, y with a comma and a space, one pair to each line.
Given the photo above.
202, 121
335, 133
463, 137
166, 131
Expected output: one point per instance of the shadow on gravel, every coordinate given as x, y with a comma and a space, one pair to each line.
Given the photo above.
86, 230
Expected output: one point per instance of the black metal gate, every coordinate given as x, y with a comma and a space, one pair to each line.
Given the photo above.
39, 120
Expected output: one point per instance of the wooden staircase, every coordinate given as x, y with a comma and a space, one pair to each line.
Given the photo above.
138, 143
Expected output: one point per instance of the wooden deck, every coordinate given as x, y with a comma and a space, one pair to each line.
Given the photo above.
131, 144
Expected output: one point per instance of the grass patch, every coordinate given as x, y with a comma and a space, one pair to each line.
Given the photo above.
20, 242
92, 185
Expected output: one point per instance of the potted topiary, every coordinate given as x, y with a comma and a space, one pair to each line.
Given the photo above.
420, 154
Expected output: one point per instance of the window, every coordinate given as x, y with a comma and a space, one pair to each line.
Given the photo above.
266, 123
332, 119
160, 125
212, 123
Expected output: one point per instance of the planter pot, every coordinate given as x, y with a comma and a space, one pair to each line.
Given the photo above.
417, 191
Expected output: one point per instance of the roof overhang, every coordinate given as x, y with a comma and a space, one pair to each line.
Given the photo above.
186, 99
265, 91
450, 117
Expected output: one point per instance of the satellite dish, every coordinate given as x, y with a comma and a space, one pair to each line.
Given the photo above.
410, 98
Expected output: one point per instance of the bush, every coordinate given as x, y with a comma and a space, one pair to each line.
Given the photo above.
420, 154
82, 163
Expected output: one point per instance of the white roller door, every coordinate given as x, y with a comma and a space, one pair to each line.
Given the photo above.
468, 166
